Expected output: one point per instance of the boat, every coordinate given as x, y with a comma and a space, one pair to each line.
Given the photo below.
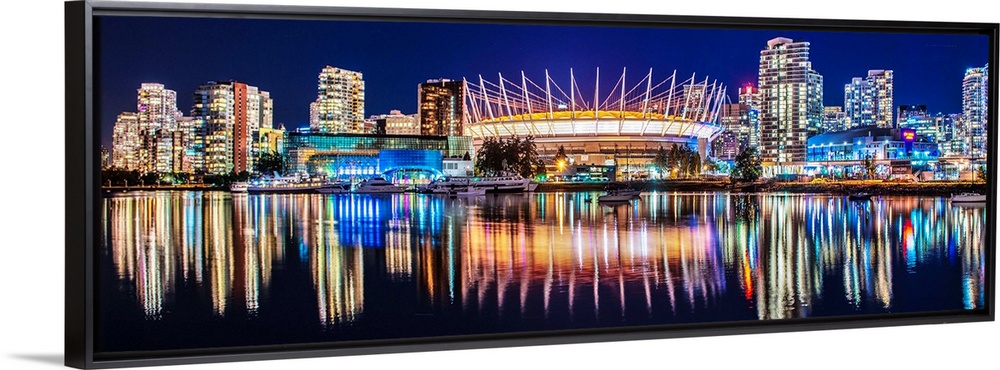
287, 184
239, 187
623, 189
470, 191
445, 185
859, 196
341, 187
968, 198
502, 184
532, 186
616, 192
493, 184
378, 185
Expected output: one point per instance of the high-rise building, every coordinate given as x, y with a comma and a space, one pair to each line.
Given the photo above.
750, 99
974, 111
190, 143
903, 112
694, 95
272, 140
916, 117
441, 107
233, 113
791, 103
105, 157
156, 109
834, 119
868, 101
126, 142
397, 123
314, 114
728, 144
340, 102
945, 124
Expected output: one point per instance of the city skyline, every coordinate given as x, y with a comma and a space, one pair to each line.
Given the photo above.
921, 76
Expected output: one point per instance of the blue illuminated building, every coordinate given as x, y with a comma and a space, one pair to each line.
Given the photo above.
401, 158
879, 143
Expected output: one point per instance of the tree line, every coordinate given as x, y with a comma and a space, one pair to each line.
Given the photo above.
507, 156
267, 163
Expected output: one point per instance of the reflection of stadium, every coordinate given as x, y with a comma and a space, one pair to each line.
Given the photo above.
623, 128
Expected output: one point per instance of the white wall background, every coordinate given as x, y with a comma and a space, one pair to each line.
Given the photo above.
31, 203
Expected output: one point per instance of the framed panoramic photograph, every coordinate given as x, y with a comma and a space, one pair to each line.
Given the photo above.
264, 182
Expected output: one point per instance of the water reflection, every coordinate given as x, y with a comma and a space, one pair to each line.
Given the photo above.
543, 261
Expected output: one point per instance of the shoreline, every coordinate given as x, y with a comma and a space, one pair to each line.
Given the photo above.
842, 188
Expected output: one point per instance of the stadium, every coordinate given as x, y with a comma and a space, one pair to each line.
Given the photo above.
621, 129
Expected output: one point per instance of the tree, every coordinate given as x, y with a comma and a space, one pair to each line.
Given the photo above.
660, 162
981, 174
684, 161
528, 163
489, 159
711, 166
673, 157
270, 162
747, 167
561, 159
513, 155
868, 165
694, 164
149, 178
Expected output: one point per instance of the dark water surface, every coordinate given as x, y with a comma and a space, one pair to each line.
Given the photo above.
209, 269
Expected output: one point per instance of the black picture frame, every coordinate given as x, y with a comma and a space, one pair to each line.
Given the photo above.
83, 182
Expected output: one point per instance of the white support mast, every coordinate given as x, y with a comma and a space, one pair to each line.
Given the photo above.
572, 100
694, 114
510, 115
548, 97
621, 105
489, 107
670, 102
524, 93
645, 103
707, 100
687, 99
597, 110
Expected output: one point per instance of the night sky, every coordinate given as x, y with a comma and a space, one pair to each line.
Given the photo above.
284, 57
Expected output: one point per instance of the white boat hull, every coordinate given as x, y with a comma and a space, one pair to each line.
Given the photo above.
968, 199
379, 191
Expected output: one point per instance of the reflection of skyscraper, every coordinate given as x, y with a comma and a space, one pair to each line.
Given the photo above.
791, 102
233, 114
974, 111
340, 102
441, 107
868, 101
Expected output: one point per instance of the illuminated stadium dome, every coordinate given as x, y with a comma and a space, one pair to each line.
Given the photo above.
629, 122
623, 127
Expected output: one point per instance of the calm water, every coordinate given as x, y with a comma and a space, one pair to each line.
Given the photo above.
209, 269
